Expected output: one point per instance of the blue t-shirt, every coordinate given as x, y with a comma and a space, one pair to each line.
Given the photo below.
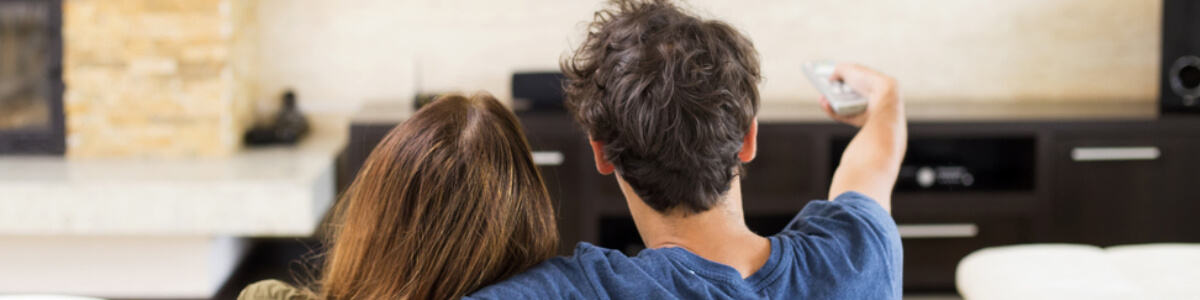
847, 248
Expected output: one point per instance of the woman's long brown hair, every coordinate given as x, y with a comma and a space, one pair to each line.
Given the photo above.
449, 202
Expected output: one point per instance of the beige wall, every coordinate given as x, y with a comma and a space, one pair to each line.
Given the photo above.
340, 53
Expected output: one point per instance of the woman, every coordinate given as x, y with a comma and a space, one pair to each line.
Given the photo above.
449, 202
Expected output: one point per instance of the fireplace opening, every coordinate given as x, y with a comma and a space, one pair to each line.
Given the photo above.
31, 88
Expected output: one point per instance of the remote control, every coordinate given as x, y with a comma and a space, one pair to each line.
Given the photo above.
843, 99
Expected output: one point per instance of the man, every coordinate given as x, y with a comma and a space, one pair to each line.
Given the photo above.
669, 103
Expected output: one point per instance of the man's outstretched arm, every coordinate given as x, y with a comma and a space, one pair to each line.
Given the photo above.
871, 161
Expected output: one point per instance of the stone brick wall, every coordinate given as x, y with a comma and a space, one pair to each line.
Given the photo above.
158, 78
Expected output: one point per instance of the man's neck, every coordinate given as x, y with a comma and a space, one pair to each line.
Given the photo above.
719, 234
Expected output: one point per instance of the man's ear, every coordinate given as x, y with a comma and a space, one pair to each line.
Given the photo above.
750, 143
602, 165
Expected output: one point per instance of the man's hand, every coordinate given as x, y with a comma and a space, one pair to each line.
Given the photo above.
871, 161
879, 89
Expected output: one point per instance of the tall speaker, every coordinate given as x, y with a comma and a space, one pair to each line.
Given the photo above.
1180, 88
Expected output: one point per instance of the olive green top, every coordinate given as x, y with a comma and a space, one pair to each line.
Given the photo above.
274, 290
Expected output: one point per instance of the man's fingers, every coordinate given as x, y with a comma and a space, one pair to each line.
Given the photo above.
857, 77
833, 115
842, 71
828, 109
836, 76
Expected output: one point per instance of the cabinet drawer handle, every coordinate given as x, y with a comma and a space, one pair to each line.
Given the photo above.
1114, 153
547, 158
933, 231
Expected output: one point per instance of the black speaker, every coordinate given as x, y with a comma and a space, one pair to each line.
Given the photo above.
1180, 87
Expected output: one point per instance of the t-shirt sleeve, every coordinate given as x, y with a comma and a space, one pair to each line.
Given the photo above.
556, 278
851, 238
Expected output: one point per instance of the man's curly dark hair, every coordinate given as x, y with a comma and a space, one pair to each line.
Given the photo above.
670, 95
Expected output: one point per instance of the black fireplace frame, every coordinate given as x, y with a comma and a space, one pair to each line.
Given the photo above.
50, 141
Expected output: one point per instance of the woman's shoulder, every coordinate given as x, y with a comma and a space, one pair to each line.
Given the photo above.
274, 290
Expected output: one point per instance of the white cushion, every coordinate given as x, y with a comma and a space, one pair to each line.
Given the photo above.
1044, 271
1164, 271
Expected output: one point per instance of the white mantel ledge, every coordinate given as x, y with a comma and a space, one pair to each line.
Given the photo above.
268, 191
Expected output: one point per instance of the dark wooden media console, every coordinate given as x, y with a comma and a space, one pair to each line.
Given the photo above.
975, 177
